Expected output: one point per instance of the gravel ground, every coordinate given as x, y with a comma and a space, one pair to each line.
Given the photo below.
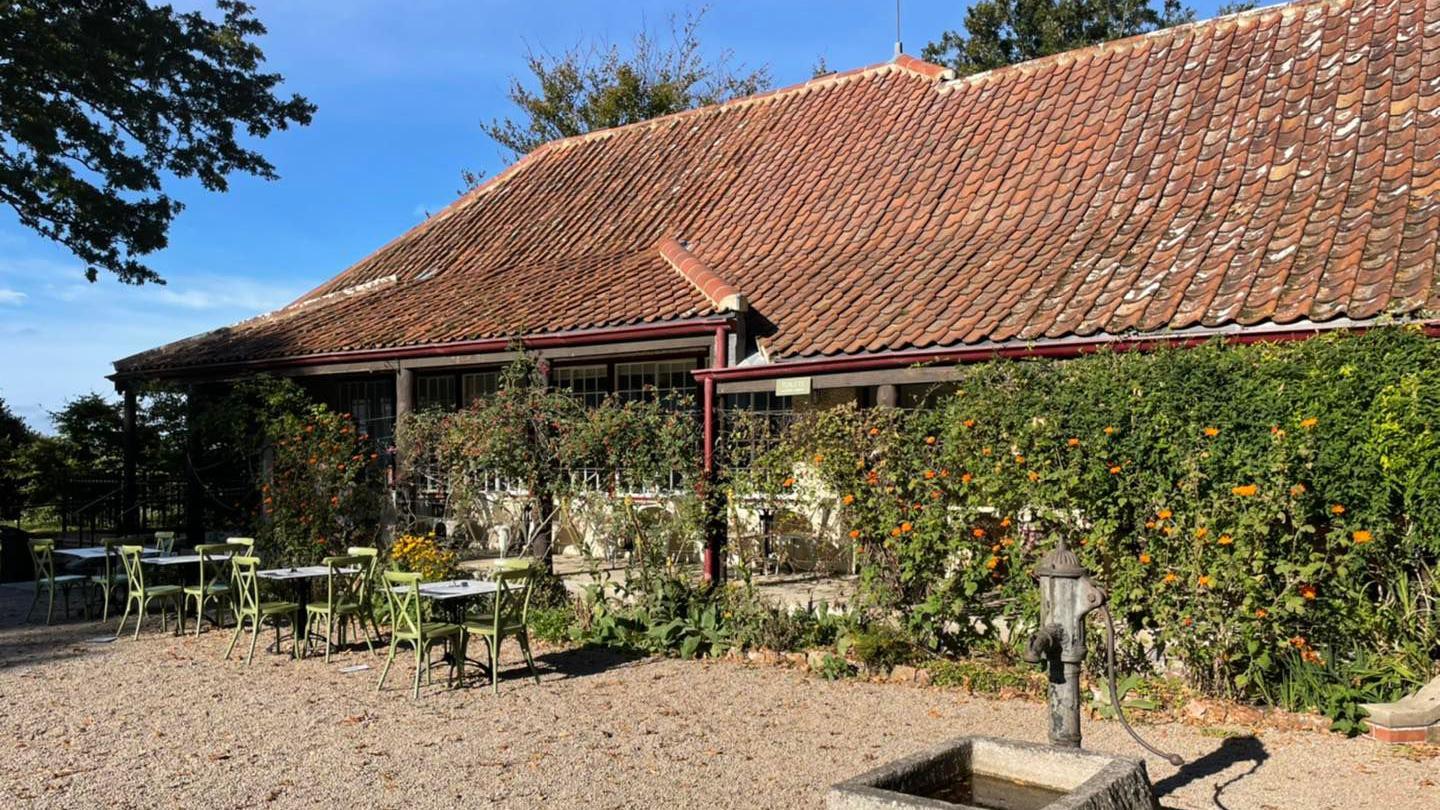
164, 722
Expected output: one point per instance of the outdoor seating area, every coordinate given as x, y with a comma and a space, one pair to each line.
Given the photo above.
336, 604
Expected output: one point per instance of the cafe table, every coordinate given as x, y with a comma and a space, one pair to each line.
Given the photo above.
451, 597
88, 553
299, 579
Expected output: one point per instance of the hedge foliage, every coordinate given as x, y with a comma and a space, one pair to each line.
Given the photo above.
1253, 509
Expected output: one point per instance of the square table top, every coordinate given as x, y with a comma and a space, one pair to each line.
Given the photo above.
453, 589
302, 572
98, 552
183, 559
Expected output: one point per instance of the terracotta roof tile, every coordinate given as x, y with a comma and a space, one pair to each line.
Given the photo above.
1275, 166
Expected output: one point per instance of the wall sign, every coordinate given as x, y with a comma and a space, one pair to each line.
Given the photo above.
792, 387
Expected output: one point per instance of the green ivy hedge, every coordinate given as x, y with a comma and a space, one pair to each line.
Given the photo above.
1264, 513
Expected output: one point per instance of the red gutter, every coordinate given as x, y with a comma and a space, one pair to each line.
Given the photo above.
586, 337
1059, 349
718, 362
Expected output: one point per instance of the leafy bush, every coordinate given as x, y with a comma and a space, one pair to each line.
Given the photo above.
882, 647
554, 625
982, 677
1232, 499
833, 667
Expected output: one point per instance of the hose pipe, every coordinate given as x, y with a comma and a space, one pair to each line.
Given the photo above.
1173, 759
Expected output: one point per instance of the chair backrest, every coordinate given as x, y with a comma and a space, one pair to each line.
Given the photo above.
342, 585
512, 595
112, 565
134, 571
213, 559
371, 556
405, 605
245, 583
165, 541
247, 544
42, 555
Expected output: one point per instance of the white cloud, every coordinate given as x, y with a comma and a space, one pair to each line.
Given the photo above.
13, 297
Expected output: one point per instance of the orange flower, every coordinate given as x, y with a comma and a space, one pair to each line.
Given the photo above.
1073, 442
929, 474
1211, 432
1261, 613
895, 532
1201, 531
872, 477
789, 482
1337, 509
848, 499
1144, 558
1164, 514
906, 527
854, 534
1299, 642
1225, 540
978, 532
1187, 621
1019, 459
1309, 422
1244, 490
930, 440
934, 494
992, 562
1312, 657
1109, 430
1297, 490
1168, 530
1361, 537
1205, 581
1005, 523
969, 423
1033, 476
874, 431
966, 478
944, 473
1277, 431
819, 458
984, 451
1170, 578
1149, 524
1309, 592
1115, 470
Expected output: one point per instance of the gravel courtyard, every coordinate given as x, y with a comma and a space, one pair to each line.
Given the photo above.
164, 722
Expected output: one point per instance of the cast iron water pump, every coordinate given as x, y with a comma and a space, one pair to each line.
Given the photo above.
1067, 596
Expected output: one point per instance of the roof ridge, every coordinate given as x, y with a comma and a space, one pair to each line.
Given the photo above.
1289, 7
721, 293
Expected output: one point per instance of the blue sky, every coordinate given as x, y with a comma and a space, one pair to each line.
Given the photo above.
401, 88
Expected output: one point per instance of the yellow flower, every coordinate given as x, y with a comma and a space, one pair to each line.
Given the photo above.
1164, 514
1337, 509
1361, 537
1211, 432
1201, 532
992, 562
1109, 430
930, 440
1309, 422
1245, 490
1205, 581
1225, 540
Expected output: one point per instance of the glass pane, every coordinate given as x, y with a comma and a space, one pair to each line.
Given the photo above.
479, 385
589, 383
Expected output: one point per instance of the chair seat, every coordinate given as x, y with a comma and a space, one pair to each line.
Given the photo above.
273, 608
163, 590
62, 579
213, 589
342, 608
483, 625
432, 630
113, 579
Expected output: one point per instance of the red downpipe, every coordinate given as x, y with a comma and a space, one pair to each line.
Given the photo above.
718, 360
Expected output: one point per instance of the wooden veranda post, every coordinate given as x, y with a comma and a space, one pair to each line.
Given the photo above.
129, 491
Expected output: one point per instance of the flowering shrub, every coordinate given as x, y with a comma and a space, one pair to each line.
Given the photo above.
323, 492
421, 554
1246, 506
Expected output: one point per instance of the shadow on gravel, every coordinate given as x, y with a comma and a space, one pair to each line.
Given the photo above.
1232, 751
583, 661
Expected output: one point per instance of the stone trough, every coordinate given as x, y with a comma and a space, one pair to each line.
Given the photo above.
997, 774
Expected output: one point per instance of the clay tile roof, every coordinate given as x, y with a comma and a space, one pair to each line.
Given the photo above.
1271, 167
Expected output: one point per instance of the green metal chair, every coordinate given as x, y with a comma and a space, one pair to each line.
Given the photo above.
111, 577
408, 625
247, 544
344, 586
367, 591
140, 596
213, 585
165, 541
250, 609
507, 618
42, 556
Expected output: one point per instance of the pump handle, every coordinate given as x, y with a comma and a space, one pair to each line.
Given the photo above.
1173, 759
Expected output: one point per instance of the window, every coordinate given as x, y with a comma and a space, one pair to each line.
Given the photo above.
589, 384
666, 380
372, 404
478, 385
435, 392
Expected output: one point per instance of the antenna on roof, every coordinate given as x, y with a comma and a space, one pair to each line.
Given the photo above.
899, 46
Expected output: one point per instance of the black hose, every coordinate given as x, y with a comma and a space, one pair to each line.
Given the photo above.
1173, 759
